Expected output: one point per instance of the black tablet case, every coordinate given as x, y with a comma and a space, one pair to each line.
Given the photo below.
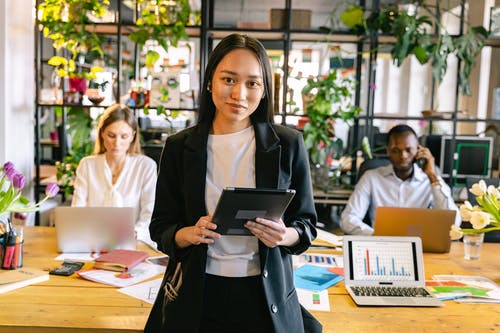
237, 205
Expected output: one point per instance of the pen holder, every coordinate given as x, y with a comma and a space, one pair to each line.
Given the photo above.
11, 254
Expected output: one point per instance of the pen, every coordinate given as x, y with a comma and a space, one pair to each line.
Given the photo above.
15, 261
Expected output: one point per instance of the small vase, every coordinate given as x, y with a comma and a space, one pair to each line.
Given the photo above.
472, 246
321, 177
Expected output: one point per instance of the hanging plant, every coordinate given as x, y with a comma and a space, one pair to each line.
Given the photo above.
65, 22
163, 21
412, 38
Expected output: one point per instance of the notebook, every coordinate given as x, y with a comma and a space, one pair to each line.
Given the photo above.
94, 229
237, 205
386, 271
431, 225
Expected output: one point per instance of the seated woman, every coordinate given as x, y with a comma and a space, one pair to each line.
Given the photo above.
117, 174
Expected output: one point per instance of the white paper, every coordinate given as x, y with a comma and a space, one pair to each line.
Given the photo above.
314, 300
318, 259
87, 256
145, 291
493, 290
139, 273
329, 237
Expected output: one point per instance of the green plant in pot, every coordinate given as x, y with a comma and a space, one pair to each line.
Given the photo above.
67, 22
412, 38
77, 77
331, 100
161, 21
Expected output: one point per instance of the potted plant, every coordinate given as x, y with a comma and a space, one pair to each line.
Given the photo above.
412, 37
66, 22
76, 75
331, 100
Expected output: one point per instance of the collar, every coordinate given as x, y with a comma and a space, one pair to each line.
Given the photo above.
418, 174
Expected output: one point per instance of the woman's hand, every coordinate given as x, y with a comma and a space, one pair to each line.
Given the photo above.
273, 233
200, 233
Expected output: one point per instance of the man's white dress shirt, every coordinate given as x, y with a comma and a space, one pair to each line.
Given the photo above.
381, 187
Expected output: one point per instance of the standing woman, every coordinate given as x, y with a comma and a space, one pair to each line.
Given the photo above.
117, 174
220, 283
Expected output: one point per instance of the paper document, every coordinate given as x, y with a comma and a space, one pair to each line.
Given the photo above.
318, 259
139, 273
85, 256
329, 237
145, 291
314, 300
478, 289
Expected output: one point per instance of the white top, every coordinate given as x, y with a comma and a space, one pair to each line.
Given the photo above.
381, 187
135, 187
231, 162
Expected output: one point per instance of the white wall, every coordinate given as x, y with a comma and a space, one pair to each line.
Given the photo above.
17, 85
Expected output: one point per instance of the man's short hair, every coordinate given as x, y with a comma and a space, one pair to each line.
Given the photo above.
398, 130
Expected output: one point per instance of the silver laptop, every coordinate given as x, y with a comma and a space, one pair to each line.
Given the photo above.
94, 229
386, 271
431, 225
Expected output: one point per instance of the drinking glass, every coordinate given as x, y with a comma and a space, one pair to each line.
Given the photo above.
472, 246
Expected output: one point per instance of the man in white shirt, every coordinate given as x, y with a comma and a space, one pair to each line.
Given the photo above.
400, 184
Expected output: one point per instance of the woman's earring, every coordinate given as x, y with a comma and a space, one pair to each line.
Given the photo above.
209, 88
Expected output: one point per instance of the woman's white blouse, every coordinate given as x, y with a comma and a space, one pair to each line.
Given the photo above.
135, 187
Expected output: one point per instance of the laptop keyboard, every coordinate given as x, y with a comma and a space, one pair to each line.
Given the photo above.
391, 291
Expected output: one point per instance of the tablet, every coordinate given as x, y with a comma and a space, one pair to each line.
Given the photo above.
237, 205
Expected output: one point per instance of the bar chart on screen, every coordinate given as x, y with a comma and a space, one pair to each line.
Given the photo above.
390, 260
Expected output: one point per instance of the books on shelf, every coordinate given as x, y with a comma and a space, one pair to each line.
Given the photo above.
120, 260
22, 277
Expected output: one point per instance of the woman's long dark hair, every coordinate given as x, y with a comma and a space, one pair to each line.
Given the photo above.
264, 112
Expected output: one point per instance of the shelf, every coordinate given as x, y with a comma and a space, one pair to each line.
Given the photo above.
127, 28
401, 117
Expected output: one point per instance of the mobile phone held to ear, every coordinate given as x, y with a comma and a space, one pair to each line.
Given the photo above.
421, 162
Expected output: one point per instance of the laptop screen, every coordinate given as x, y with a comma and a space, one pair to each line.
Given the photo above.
383, 260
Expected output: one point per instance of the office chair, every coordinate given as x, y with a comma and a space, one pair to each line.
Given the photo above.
153, 151
372, 164
492, 236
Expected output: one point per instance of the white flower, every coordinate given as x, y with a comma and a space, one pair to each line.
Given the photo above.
465, 210
479, 219
478, 189
493, 191
455, 232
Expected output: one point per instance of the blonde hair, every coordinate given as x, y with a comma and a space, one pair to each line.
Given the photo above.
114, 113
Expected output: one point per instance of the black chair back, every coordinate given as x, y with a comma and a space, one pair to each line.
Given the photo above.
372, 164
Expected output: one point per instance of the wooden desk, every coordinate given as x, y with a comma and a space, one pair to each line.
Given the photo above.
67, 304
345, 316
71, 304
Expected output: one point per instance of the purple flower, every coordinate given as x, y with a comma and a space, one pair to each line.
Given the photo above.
18, 181
8, 166
10, 173
372, 86
51, 190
